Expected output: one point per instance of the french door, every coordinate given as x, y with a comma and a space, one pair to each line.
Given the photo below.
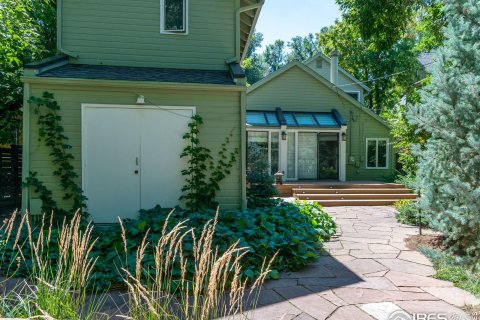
131, 159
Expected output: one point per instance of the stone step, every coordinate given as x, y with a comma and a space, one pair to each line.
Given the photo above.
351, 191
340, 203
394, 197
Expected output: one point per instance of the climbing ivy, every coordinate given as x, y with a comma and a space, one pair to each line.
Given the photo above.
51, 132
203, 174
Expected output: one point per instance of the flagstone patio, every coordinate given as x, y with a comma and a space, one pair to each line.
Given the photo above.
366, 273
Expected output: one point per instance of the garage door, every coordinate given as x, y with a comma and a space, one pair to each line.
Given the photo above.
131, 158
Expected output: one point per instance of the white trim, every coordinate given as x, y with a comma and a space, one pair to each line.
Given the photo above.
183, 32
84, 107
376, 153
342, 155
283, 148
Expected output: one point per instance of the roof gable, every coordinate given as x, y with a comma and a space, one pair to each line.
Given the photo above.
340, 69
318, 78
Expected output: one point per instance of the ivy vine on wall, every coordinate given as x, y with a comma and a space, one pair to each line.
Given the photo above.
203, 174
51, 132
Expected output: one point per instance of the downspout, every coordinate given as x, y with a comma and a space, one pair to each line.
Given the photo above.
60, 32
240, 10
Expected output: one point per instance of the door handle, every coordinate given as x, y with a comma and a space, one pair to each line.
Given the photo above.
136, 171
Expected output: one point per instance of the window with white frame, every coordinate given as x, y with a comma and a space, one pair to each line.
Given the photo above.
173, 15
377, 153
263, 148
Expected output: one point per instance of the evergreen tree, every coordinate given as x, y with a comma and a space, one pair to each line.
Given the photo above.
449, 163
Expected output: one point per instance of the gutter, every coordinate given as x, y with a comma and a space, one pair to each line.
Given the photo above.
239, 11
60, 33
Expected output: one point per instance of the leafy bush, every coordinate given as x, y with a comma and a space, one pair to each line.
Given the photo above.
409, 213
461, 271
408, 180
294, 231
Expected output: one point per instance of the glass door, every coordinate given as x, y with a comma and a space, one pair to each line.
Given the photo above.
328, 156
307, 155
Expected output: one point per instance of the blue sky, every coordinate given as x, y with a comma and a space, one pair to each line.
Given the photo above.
284, 19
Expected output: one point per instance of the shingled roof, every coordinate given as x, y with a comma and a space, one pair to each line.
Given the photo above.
101, 72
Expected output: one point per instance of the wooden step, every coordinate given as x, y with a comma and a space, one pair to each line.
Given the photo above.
345, 186
395, 197
340, 203
351, 191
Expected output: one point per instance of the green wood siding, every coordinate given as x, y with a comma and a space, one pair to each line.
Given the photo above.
126, 32
295, 90
220, 110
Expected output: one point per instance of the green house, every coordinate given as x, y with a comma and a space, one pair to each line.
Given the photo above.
311, 123
128, 77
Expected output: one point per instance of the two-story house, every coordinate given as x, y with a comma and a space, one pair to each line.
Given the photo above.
128, 78
311, 123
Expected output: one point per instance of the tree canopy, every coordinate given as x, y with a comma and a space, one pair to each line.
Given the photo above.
27, 33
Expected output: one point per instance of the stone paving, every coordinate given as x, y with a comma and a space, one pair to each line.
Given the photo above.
366, 273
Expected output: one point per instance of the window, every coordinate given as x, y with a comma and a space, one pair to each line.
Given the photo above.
173, 16
377, 153
263, 150
354, 94
319, 63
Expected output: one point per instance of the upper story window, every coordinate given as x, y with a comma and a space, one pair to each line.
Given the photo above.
354, 94
377, 153
174, 16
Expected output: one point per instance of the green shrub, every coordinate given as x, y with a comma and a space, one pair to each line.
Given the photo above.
294, 230
461, 271
409, 213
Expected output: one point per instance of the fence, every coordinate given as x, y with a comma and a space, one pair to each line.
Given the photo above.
10, 177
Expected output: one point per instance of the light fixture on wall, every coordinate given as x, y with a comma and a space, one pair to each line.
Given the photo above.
284, 135
344, 136
140, 99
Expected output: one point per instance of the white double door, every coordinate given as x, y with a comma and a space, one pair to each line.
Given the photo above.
131, 159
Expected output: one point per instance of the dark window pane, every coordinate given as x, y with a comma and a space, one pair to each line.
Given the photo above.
174, 15
382, 153
256, 118
372, 154
326, 120
272, 119
275, 152
354, 95
305, 120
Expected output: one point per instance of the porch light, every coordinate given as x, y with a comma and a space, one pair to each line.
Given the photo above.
284, 135
140, 100
344, 136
